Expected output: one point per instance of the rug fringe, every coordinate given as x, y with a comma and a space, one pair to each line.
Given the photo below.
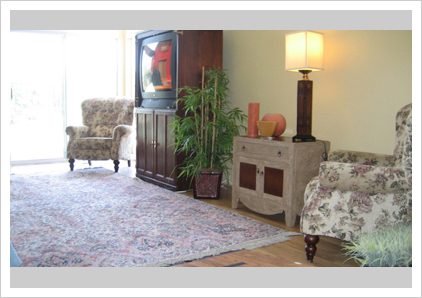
252, 244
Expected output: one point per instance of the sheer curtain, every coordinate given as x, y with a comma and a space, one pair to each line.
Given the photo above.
91, 69
52, 73
37, 96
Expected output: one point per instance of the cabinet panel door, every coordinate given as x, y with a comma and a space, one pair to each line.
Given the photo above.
247, 175
144, 146
276, 180
273, 181
164, 158
170, 154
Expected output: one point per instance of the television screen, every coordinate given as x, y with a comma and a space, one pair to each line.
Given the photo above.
156, 71
156, 66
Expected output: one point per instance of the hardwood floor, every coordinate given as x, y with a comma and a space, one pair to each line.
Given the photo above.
290, 253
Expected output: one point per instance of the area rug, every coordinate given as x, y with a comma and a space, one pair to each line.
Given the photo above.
95, 217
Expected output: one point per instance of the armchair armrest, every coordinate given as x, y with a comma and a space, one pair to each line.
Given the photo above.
76, 132
121, 131
365, 158
121, 147
364, 178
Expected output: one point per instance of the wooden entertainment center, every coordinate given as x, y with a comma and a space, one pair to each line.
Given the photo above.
156, 161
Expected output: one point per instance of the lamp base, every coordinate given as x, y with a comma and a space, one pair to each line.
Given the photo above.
303, 138
304, 112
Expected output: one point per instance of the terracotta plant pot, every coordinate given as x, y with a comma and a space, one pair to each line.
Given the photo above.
208, 184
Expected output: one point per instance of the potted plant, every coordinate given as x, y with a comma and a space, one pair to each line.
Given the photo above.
205, 133
388, 247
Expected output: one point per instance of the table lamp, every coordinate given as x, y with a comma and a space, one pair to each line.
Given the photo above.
304, 54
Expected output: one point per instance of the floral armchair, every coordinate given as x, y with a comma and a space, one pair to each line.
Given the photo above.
106, 134
358, 192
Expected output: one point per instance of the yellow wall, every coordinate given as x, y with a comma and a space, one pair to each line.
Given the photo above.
367, 78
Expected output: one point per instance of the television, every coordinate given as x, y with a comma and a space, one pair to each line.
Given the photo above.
156, 69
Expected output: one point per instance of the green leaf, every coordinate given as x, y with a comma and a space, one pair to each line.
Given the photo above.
229, 122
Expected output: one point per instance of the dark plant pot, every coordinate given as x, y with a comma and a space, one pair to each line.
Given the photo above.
207, 185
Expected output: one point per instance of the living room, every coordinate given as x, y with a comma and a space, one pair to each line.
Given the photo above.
366, 79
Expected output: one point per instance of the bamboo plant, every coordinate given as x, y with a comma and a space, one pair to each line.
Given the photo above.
204, 134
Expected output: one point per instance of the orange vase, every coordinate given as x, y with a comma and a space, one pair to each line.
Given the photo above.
281, 123
253, 116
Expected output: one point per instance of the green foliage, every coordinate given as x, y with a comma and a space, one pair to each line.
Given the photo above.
205, 133
389, 247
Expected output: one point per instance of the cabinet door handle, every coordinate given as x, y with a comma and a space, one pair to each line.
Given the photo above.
257, 171
262, 173
279, 153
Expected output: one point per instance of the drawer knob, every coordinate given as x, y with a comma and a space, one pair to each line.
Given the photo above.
279, 153
243, 147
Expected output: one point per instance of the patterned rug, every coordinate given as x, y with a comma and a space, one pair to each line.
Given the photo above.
94, 217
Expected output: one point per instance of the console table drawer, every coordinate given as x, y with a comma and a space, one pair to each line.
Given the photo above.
272, 152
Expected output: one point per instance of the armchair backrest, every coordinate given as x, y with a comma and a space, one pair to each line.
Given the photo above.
102, 115
403, 149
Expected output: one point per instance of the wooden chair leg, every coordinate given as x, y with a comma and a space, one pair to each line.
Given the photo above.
89, 162
116, 165
71, 163
310, 248
128, 163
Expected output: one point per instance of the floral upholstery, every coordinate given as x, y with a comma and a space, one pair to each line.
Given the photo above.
107, 130
358, 192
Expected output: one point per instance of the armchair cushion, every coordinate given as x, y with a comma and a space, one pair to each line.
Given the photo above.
101, 131
363, 178
102, 115
94, 148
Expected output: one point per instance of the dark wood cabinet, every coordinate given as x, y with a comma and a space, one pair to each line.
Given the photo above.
156, 160
155, 157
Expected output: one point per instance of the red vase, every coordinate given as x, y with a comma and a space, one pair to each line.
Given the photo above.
281, 123
253, 116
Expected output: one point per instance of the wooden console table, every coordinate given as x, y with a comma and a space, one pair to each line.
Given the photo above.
270, 176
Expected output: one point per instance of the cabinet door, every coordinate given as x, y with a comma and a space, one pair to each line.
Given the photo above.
145, 143
247, 174
164, 146
273, 179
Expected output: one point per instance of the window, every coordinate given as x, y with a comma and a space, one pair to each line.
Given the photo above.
37, 96
91, 69
52, 73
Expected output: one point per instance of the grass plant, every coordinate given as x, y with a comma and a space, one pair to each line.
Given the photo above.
389, 247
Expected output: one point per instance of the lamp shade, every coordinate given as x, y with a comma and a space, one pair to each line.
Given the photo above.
304, 51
